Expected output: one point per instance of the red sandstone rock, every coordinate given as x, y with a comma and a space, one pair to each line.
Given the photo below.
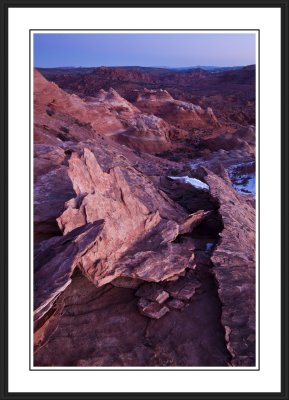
153, 292
234, 268
230, 93
139, 221
54, 263
183, 289
181, 114
151, 309
108, 113
49, 99
103, 327
129, 231
143, 246
192, 221
175, 304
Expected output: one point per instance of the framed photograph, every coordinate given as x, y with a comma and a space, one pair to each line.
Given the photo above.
144, 201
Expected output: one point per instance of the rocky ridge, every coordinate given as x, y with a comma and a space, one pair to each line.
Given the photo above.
232, 93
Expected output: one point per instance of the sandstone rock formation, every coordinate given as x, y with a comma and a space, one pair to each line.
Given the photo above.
234, 267
179, 113
143, 225
108, 113
231, 93
241, 140
49, 99
139, 260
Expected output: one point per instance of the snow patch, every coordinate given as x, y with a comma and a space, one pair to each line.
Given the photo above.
244, 183
192, 181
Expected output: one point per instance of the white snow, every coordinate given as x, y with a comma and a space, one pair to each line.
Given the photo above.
248, 187
244, 183
192, 181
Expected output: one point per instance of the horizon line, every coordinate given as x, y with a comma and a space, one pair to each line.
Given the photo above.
142, 66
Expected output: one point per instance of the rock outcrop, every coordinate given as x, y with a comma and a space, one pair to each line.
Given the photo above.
153, 262
179, 113
54, 262
234, 268
52, 188
143, 224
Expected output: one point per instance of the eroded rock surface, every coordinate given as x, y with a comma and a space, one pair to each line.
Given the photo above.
234, 267
93, 327
139, 260
143, 224
54, 262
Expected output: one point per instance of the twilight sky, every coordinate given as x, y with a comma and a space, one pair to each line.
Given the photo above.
143, 49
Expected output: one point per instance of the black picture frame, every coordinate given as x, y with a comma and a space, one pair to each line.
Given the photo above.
283, 5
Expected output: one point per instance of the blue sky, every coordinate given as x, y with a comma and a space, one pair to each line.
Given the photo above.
143, 49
